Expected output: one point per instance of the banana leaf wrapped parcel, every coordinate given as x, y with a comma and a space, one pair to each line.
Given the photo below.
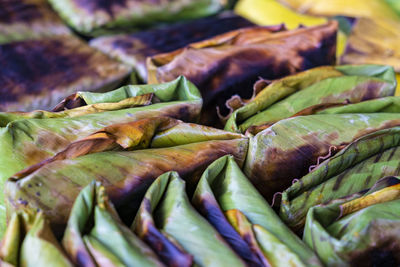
35, 136
98, 17
28, 19
310, 92
287, 150
133, 49
37, 74
95, 236
230, 63
126, 158
233, 206
29, 241
359, 230
176, 231
355, 168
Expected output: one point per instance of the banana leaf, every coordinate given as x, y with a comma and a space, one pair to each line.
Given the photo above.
288, 149
98, 17
133, 49
29, 241
271, 12
376, 9
37, 74
95, 236
223, 188
31, 141
362, 231
28, 19
309, 92
230, 63
374, 42
166, 209
107, 156
357, 167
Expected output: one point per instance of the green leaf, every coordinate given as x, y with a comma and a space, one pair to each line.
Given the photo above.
31, 141
121, 16
361, 231
95, 234
224, 187
320, 86
357, 167
105, 157
288, 149
174, 216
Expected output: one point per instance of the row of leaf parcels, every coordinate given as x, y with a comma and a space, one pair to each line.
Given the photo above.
227, 222
327, 108
32, 141
104, 153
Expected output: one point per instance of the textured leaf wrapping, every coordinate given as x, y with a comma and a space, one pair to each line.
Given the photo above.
223, 188
29, 241
357, 167
167, 217
105, 157
288, 149
95, 236
34, 72
35, 136
99, 17
133, 49
363, 230
28, 19
312, 91
230, 63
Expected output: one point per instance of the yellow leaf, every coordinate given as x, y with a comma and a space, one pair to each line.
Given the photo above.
270, 12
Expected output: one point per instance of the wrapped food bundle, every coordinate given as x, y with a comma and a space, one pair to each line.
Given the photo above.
230, 63
37, 74
355, 168
360, 229
28, 19
319, 90
133, 49
98, 17
134, 177
131, 156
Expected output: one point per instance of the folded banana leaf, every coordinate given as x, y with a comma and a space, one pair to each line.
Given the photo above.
357, 167
375, 42
95, 236
230, 63
31, 141
227, 199
373, 36
28, 19
271, 12
171, 226
133, 49
376, 9
288, 149
311, 92
29, 241
361, 231
37, 74
34, 136
107, 156
99, 17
